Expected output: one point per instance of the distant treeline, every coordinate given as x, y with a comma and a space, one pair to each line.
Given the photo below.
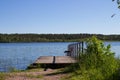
4, 38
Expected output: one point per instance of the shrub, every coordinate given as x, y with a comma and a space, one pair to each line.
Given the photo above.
96, 63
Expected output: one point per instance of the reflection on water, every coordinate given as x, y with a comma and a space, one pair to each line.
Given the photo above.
20, 55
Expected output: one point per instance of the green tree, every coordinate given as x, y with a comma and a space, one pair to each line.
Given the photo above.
118, 2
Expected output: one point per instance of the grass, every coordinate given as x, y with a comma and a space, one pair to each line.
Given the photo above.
2, 76
34, 76
24, 73
31, 74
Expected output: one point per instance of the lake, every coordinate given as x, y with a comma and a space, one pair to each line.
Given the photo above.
21, 55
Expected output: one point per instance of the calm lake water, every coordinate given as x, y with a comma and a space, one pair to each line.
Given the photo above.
20, 55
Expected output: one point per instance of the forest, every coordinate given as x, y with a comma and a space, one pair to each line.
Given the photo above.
8, 38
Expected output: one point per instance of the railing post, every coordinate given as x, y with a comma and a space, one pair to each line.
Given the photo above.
75, 49
82, 46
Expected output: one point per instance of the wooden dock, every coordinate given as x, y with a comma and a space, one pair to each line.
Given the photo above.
55, 60
72, 56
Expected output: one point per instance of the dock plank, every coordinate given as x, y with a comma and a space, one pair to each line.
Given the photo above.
64, 60
55, 60
44, 60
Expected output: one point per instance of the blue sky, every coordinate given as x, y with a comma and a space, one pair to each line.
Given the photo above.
59, 16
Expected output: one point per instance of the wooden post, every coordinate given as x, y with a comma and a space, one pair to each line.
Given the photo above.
79, 51
82, 46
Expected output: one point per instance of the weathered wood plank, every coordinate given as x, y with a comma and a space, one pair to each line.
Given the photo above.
55, 60
64, 60
44, 60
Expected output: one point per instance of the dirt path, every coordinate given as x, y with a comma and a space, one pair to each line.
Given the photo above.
50, 74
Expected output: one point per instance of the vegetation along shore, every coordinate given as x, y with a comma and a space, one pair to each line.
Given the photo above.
7, 38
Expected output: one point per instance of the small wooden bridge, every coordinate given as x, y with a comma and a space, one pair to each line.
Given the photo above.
72, 56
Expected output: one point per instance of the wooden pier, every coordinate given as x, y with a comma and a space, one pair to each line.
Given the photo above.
72, 56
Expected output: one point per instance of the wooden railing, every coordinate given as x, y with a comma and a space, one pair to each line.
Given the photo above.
75, 49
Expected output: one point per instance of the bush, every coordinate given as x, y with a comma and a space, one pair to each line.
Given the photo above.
96, 63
